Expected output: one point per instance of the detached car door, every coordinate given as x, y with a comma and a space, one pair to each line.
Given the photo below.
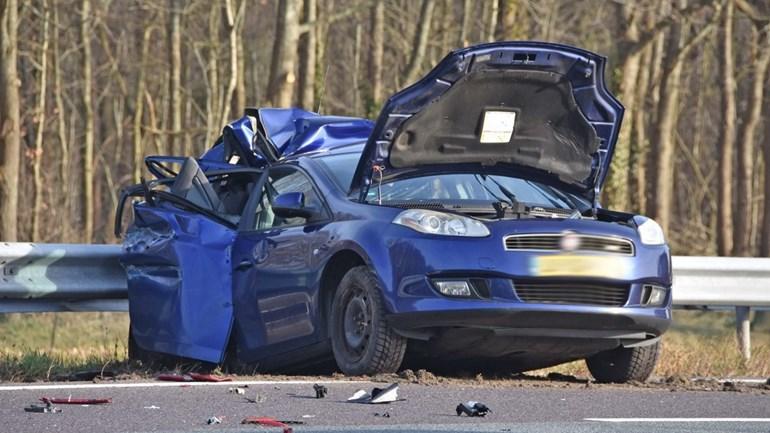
276, 274
177, 256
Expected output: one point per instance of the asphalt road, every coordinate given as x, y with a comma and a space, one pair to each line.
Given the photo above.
169, 407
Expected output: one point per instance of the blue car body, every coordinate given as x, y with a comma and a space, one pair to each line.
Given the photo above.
204, 282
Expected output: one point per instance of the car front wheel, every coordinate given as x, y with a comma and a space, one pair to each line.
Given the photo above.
623, 364
362, 340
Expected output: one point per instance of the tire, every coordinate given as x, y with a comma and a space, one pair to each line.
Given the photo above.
362, 340
623, 365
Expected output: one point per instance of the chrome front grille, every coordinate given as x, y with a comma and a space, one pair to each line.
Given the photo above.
553, 242
582, 293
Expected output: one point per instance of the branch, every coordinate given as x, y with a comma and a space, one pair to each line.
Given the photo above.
748, 9
306, 27
650, 35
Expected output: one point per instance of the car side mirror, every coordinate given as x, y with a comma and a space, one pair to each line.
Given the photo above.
291, 205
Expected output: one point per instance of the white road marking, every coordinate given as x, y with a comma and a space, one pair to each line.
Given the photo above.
161, 384
678, 419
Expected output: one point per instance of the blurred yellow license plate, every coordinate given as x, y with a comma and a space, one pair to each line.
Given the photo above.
569, 265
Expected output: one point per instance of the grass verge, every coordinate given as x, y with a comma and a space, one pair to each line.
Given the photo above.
50, 346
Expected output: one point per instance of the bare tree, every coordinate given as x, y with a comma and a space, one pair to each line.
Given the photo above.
746, 146
414, 67
9, 120
307, 59
282, 74
37, 207
726, 135
175, 72
376, 56
88, 126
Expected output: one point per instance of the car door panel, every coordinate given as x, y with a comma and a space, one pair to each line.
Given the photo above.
179, 273
275, 295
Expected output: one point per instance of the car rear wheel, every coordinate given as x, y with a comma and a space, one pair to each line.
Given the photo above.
624, 364
362, 340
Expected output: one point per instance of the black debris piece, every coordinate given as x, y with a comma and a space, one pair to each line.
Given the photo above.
40, 408
472, 408
384, 415
320, 391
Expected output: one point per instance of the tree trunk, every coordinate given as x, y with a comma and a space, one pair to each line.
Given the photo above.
282, 78
617, 184
466, 23
746, 149
492, 21
139, 104
726, 136
37, 207
420, 42
10, 135
232, 19
639, 145
376, 56
61, 124
764, 244
511, 24
88, 134
175, 81
307, 57
665, 141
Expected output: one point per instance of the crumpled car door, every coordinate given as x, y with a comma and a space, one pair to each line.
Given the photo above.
178, 264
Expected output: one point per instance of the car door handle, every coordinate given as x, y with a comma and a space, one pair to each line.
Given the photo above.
244, 264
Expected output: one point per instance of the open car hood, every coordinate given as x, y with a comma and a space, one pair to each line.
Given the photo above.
531, 109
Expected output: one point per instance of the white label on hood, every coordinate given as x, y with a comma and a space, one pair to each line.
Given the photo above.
498, 126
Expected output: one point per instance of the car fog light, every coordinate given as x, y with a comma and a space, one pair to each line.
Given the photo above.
653, 295
458, 288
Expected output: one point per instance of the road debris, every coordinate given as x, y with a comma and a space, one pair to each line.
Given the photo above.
214, 420
320, 391
308, 416
153, 407
70, 400
270, 422
472, 408
383, 415
236, 390
257, 399
377, 396
39, 408
193, 377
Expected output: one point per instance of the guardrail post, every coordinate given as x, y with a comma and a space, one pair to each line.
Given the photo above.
743, 328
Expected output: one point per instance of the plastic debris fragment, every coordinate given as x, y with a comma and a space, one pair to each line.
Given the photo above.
320, 391
39, 408
236, 390
214, 420
377, 396
472, 408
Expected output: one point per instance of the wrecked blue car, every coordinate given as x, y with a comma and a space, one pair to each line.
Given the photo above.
462, 228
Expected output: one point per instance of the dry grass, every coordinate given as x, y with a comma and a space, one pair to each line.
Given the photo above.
700, 344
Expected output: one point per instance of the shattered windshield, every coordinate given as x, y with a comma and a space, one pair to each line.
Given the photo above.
474, 187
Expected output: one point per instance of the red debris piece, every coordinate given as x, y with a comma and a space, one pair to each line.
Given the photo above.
269, 422
193, 377
70, 400
175, 377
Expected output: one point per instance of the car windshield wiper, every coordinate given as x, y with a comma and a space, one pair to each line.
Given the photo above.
511, 205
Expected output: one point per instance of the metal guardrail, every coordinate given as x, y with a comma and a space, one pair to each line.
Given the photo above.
76, 277
61, 277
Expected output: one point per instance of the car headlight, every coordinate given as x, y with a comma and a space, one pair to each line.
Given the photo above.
440, 223
650, 232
